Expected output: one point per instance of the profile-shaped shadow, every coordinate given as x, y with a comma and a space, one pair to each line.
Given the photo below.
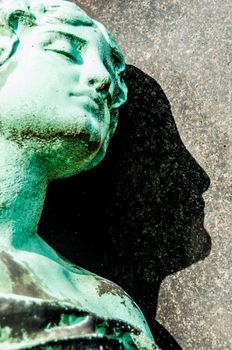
138, 216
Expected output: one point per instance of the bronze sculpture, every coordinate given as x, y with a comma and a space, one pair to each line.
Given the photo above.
61, 78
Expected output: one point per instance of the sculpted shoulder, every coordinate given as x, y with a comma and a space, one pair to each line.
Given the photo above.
32, 275
121, 305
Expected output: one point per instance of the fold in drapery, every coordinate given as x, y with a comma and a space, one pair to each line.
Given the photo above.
33, 323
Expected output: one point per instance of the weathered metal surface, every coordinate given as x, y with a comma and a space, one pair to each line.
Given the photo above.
61, 79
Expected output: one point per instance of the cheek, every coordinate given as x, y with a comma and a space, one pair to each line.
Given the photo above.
30, 94
39, 74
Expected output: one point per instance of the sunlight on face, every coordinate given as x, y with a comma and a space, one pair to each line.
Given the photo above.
65, 82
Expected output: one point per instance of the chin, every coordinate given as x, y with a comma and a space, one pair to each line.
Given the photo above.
100, 154
73, 154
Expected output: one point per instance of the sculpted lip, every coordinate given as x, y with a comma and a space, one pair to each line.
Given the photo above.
92, 100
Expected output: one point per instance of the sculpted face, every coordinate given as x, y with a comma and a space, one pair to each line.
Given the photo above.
61, 87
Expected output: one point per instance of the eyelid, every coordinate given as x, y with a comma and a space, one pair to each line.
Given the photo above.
74, 41
58, 44
64, 47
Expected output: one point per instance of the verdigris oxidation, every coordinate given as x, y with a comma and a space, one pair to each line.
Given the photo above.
61, 84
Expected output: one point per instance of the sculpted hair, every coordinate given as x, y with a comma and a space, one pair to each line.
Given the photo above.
15, 15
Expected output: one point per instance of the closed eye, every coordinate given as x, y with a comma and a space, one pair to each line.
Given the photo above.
71, 56
66, 45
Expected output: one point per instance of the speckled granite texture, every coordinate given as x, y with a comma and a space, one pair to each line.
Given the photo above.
146, 231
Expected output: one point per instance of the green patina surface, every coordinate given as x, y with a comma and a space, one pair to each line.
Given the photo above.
61, 84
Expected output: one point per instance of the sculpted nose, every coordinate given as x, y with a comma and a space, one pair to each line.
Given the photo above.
96, 76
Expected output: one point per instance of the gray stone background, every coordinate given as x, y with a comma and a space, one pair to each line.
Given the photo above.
184, 45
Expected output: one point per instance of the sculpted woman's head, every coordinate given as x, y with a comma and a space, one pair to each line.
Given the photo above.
60, 83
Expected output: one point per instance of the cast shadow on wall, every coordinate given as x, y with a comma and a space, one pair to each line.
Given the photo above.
138, 216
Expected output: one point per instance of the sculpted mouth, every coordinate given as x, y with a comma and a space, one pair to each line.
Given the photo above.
90, 100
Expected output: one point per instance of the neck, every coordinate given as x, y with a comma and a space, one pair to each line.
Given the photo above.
23, 185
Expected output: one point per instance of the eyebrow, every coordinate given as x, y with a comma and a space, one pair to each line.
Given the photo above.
77, 21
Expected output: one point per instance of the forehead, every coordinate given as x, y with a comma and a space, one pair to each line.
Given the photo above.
55, 11
62, 16
90, 35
